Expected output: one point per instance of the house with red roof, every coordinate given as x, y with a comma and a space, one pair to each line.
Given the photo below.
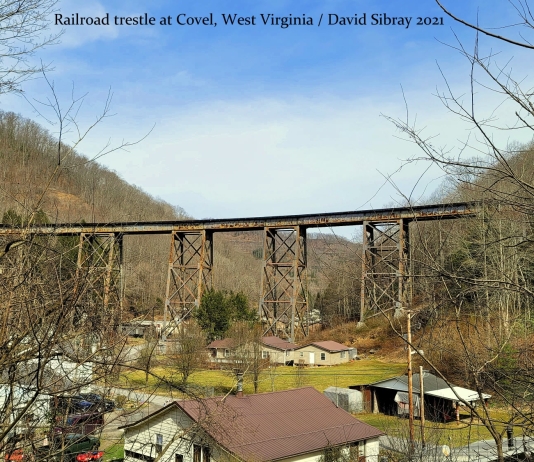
273, 348
300, 425
326, 353
220, 351
278, 350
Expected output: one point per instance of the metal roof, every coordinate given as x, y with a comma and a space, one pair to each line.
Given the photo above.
433, 386
400, 383
278, 343
224, 343
458, 392
273, 426
328, 345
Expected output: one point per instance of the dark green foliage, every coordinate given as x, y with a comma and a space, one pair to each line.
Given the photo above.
12, 218
218, 309
40, 218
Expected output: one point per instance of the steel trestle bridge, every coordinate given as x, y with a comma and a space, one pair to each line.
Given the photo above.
283, 304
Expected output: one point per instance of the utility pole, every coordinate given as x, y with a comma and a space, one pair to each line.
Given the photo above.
410, 381
422, 405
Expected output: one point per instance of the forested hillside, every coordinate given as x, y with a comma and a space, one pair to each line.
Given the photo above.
83, 190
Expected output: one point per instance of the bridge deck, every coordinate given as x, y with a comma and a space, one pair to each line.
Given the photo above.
315, 220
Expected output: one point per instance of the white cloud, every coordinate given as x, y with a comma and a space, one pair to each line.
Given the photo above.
77, 35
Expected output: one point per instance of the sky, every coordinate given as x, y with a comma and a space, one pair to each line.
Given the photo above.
254, 120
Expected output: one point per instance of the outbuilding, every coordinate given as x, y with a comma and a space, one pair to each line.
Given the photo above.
442, 402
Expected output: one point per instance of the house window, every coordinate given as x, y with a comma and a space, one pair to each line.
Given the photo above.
178, 458
201, 453
287, 352
264, 355
159, 443
301, 354
357, 451
226, 353
342, 354
197, 453
323, 356
137, 456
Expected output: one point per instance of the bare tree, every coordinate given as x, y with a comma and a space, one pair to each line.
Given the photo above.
247, 353
482, 277
24, 28
188, 354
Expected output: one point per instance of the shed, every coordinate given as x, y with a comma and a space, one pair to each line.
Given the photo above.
442, 402
345, 398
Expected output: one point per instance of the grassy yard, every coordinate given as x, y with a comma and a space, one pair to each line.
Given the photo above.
454, 434
276, 378
114, 452
354, 373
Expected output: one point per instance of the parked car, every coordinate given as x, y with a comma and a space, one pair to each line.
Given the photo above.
99, 402
17, 455
70, 404
95, 456
84, 424
66, 448
73, 444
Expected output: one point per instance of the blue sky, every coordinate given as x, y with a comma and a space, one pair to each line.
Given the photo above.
261, 120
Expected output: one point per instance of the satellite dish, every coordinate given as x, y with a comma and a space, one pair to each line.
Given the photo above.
446, 450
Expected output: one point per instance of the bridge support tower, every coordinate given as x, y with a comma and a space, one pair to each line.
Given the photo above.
385, 280
283, 301
99, 279
189, 273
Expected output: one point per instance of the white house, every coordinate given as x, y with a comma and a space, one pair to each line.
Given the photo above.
288, 426
277, 350
326, 353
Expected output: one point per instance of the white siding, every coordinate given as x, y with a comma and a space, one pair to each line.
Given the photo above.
331, 359
311, 457
175, 427
278, 356
141, 438
371, 450
173, 424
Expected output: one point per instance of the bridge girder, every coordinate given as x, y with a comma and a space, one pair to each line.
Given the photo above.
385, 280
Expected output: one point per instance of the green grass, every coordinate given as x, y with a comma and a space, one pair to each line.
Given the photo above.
454, 434
275, 379
355, 373
114, 452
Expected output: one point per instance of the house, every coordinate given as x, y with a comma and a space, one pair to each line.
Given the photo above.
292, 425
327, 353
278, 350
441, 401
275, 349
220, 351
